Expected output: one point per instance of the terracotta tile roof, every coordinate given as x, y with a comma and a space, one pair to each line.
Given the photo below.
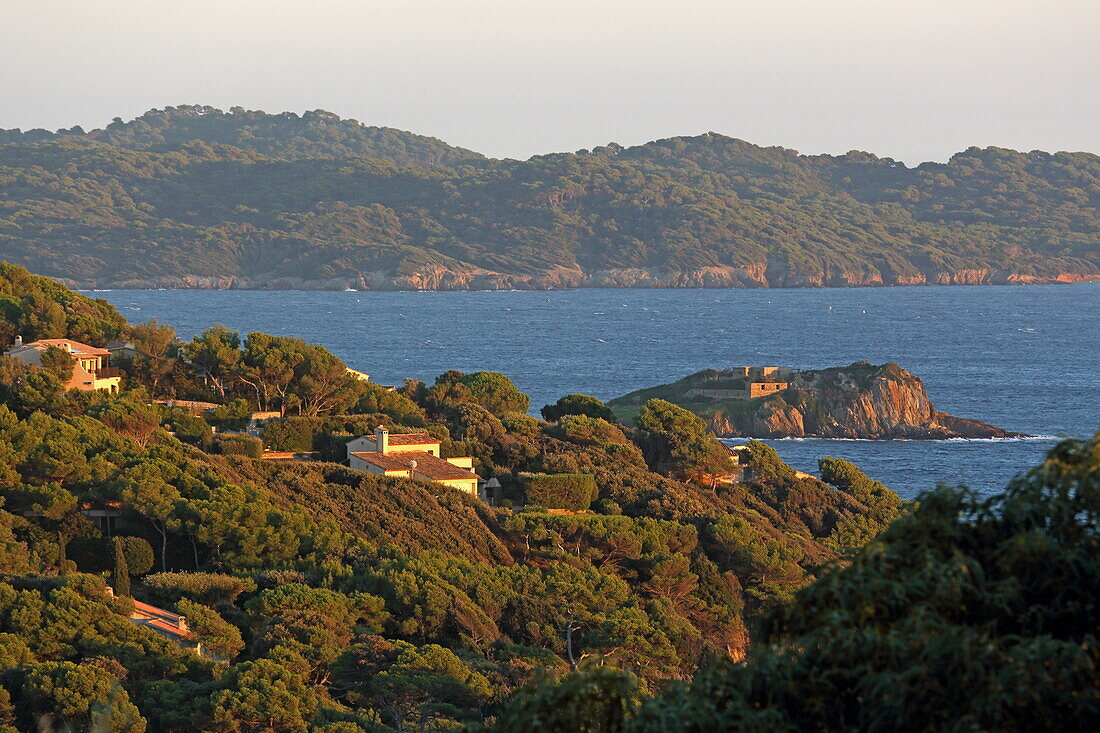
387, 462
168, 628
438, 469
158, 613
74, 347
413, 439
427, 465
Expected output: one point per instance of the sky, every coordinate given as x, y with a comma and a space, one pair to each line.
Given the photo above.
913, 80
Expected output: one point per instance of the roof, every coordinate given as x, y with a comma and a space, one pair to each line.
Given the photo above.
167, 628
160, 613
385, 461
73, 347
412, 439
427, 465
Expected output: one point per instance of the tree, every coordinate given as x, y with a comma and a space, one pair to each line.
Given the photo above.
214, 354
675, 442
58, 361
968, 613
156, 341
422, 685
76, 696
218, 636
324, 383
120, 575
593, 700
495, 392
135, 420
578, 404
269, 365
847, 477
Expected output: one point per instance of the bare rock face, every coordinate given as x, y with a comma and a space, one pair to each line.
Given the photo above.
772, 273
858, 401
861, 400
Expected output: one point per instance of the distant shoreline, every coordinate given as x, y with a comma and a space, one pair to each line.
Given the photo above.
325, 287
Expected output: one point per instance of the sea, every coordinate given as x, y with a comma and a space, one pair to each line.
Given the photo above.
1024, 358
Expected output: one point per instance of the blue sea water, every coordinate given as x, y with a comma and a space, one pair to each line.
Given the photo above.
1022, 358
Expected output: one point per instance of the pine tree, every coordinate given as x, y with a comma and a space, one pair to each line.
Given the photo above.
121, 579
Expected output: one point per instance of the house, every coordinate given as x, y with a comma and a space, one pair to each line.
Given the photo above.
410, 455
361, 376
124, 351
170, 625
742, 471
91, 365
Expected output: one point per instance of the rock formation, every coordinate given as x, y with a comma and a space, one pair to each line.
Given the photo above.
857, 401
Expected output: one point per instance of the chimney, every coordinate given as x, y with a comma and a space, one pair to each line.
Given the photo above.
382, 439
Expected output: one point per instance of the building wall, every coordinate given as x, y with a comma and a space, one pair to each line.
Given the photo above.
760, 389
462, 484
367, 444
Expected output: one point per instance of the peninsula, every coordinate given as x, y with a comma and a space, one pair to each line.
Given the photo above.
194, 197
860, 400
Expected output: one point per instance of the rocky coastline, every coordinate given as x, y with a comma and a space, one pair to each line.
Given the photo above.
443, 278
859, 401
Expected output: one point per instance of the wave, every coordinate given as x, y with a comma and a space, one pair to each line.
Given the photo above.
1023, 439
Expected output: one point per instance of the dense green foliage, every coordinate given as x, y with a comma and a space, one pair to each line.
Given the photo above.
573, 491
331, 599
969, 613
577, 404
676, 442
195, 196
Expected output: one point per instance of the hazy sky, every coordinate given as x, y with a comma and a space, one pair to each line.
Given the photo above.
913, 79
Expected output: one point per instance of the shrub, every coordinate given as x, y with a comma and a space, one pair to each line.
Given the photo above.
495, 392
206, 588
291, 433
239, 445
218, 636
189, 428
575, 491
578, 404
232, 415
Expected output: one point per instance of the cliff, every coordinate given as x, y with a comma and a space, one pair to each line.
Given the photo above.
857, 401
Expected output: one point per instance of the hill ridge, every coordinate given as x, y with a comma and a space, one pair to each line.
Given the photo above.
195, 197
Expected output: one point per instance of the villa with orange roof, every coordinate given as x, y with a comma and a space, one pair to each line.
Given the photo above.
410, 455
91, 365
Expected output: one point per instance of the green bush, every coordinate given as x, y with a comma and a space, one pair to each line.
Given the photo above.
232, 415
575, 491
292, 433
578, 404
189, 428
238, 445
206, 588
218, 636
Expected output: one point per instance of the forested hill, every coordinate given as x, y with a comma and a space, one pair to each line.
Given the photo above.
314, 134
194, 197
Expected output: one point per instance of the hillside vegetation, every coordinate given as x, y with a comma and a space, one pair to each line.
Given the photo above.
195, 197
330, 599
